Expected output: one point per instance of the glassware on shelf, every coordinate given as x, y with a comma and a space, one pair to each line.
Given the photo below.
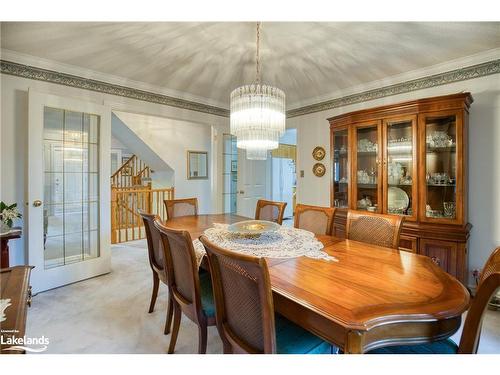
394, 173
400, 164
365, 145
367, 178
400, 145
365, 202
449, 209
340, 168
343, 180
441, 161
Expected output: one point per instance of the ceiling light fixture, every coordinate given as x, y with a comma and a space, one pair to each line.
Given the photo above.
257, 114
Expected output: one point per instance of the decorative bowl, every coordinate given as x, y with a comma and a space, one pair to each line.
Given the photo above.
253, 227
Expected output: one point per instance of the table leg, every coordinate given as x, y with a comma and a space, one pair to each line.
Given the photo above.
4, 262
354, 342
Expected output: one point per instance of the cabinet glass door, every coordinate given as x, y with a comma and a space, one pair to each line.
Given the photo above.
441, 174
340, 168
367, 165
400, 166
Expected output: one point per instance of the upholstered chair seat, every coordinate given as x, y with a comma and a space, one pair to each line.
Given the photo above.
447, 346
292, 339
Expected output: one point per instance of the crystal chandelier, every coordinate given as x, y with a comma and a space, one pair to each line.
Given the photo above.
257, 115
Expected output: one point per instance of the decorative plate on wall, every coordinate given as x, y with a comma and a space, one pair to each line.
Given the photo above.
319, 153
319, 169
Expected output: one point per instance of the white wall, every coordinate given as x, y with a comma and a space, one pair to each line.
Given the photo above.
483, 161
14, 128
171, 139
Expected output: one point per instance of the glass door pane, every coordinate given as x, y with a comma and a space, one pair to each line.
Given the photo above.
230, 155
367, 162
441, 161
400, 172
71, 160
340, 169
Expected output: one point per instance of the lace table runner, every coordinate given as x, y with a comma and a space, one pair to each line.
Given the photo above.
284, 243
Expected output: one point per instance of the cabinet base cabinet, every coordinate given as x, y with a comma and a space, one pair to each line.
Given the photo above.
407, 243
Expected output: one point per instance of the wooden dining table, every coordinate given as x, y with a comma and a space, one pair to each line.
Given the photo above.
372, 297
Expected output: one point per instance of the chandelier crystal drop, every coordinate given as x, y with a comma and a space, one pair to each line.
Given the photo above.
257, 115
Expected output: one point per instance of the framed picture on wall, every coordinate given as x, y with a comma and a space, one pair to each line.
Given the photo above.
197, 165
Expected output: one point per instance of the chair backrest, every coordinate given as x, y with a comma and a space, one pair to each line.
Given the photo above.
318, 220
182, 268
155, 247
181, 207
376, 229
270, 211
488, 285
243, 300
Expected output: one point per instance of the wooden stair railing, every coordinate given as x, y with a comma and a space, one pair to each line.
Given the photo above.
131, 174
126, 223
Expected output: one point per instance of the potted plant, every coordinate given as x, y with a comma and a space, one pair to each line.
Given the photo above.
7, 214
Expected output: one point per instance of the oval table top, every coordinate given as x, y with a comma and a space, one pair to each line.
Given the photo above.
369, 287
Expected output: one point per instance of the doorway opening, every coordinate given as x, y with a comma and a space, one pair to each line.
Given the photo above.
284, 177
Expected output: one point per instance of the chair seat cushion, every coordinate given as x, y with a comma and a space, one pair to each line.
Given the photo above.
437, 347
292, 339
207, 294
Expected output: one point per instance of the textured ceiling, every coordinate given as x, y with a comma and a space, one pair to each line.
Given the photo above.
307, 60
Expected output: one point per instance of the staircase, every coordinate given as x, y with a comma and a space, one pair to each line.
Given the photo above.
132, 174
131, 191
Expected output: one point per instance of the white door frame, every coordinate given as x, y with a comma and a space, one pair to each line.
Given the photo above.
44, 279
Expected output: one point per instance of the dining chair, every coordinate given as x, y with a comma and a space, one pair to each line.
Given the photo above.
181, 207
372, 228
191, 291
157, 262
245, 316
318, 220
270, 211
488, 285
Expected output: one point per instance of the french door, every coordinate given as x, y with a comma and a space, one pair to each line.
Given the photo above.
68, 193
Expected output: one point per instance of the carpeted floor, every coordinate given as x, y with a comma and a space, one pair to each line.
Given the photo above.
108, 314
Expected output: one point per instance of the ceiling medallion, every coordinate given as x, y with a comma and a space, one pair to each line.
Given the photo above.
257, 115
318, 153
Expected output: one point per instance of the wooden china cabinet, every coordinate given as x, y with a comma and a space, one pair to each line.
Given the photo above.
408, 159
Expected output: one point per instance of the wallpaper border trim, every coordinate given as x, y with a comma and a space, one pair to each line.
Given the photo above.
31, 72
456, 75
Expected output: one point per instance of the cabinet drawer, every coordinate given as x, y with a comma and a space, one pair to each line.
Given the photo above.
443, 253
407, 243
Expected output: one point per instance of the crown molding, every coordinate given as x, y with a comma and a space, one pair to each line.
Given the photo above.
39, 74
456, 75
459, 63
74, 80
39, 62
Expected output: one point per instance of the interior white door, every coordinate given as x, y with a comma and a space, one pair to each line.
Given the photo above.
68, 191
253, 183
